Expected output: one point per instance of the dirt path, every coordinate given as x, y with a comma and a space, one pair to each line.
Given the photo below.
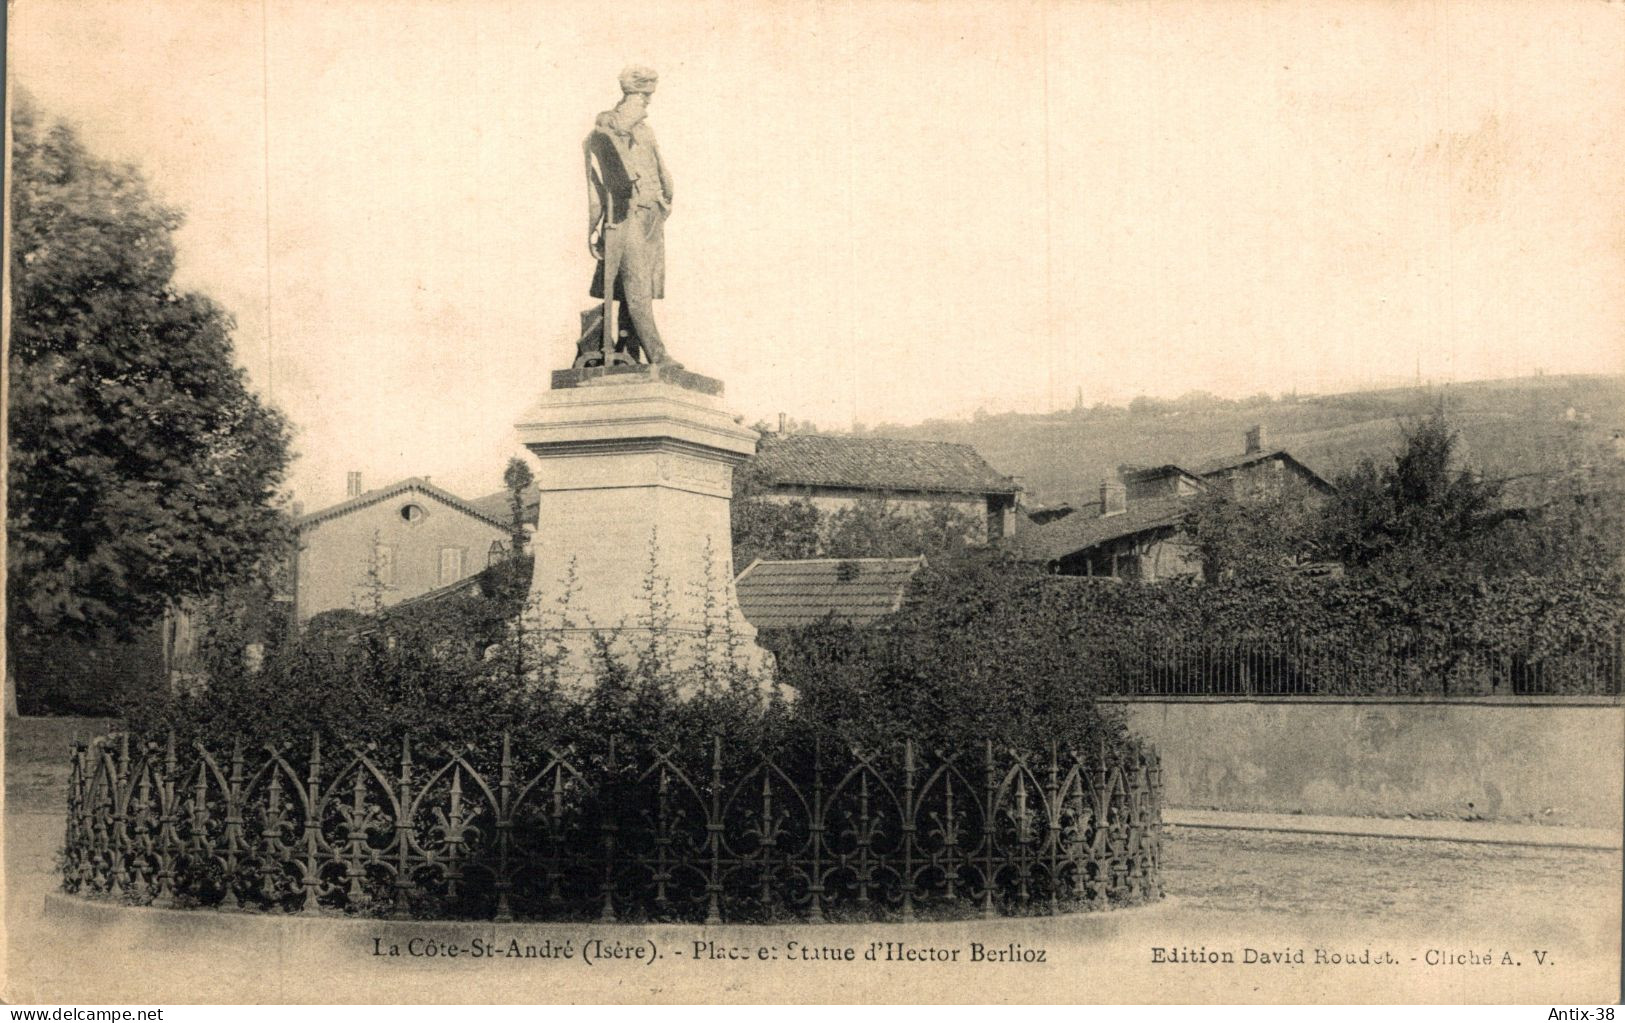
1382, 880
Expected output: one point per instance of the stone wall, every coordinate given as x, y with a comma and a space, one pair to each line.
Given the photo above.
1549, 759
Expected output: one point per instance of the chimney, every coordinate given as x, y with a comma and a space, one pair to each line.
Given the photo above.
781, 424
352, 484
298, 509
1113, 497
1255, 440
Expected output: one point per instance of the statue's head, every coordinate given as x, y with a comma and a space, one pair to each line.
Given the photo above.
638, 79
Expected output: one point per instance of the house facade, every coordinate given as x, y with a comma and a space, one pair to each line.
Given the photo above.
1118, 539
1259, 468
1145, 483
396, 542
1136, 531
835, 472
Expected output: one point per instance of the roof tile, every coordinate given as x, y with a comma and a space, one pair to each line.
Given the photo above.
859, 591
877, 463
1080, 531
1214, 466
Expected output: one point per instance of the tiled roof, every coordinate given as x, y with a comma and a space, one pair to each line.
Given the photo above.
1214, 466
1084, 502
414, 483
494, 581
877, 463
1040, 513
1127, 472
1080, 531
859, 591
468, 584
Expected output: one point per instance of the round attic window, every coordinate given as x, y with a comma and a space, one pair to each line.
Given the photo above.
412, 512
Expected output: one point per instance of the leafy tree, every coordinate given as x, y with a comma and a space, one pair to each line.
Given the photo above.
1200, 400
1422, 517
516, 478
873, 527
791, 425
1258, 534
1570, 522
945, 528
765, 527
143, 469
976, 653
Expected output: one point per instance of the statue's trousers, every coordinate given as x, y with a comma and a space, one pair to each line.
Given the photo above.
641, 239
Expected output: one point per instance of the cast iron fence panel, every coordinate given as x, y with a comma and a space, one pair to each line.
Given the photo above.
1400, 662
550, 832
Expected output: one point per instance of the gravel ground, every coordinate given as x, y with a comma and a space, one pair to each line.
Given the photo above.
1380, 879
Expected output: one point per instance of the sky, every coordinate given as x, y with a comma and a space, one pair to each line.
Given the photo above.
884, 211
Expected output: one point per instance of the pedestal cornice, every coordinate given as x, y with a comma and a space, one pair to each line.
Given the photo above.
603, 414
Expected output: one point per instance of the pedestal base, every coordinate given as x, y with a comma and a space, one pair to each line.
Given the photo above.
634, 553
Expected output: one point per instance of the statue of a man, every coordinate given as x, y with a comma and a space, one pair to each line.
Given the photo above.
628, 199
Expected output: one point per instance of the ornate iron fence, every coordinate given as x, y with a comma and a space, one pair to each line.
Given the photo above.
554, 833
1150, 662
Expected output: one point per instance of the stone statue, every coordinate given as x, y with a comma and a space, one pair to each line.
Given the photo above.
628, 199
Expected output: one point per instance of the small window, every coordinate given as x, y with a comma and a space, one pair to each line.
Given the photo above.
412, 512
451, 564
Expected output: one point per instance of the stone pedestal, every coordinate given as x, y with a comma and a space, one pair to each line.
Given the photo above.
633, 540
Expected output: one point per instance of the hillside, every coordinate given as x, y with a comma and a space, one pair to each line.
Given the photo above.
1508, 427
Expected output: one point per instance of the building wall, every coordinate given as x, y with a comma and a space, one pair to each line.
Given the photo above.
1172, 558
1262, 477
336, 554
1548, 759
1170, 485
995, 511
1145, 558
